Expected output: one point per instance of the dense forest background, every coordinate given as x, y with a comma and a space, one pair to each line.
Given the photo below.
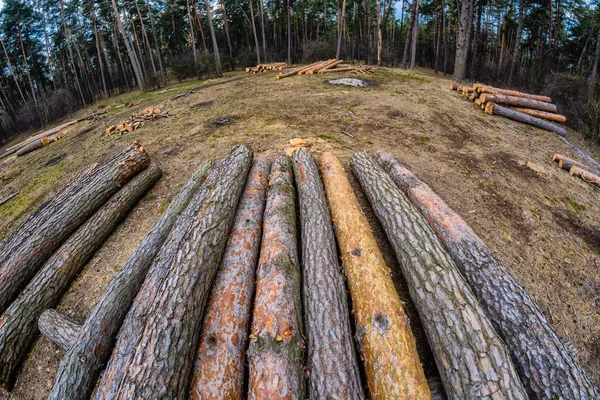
57, 56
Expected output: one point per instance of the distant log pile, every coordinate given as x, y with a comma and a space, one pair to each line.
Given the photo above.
328, 66
280, 66
137, 120
575, 168
531, 109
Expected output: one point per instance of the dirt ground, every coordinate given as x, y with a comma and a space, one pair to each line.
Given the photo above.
545, 228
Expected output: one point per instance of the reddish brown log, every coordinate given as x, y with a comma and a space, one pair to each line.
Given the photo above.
514, 93
454, 86
567, 163
153, 357
519, 102
542, 114
506, 112
546, 367
276, 352
219, 368
383, 334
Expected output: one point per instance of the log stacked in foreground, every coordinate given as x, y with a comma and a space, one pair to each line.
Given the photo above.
59, 328
18, 324
472, 359
34, 241
81, 365
383, 334
546, 367
276, 352
219, 368
332, 366
157, 342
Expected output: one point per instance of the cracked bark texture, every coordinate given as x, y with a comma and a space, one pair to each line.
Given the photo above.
153, 357
39, 237
472, 359
58, 328
383, 335
276, 352
83, 362
332, 366
18, 324
219, 367
546, 366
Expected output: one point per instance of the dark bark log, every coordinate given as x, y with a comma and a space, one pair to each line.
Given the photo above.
567, 163
219, 368
276, 351
59, 328
545, 365
33, 146
472, 359
332, 364
519, 102
38, 239
384, 337
82, 364
153, 357
18, 324
496, 109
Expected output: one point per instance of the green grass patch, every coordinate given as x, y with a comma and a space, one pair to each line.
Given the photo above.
576, 207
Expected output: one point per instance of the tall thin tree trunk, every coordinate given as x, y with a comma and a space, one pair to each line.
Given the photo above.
214, 39
594, 74
415, 34
262, 28
341, 24
439, 38
199, 22
477, 42
12, 72
156, 45
136, 42
462, 43
98, 50
70, 54
289, 33
135, 64
27, 71
379, 32
226, 23
517, 46
445, 33
254, 31
193, 36
145, 39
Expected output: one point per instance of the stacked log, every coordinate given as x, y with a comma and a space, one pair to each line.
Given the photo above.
137, 120
531, 109
157, 342
472, 359
384, 338
18, 324
280, 66
586, 173
327, 66
219, 367
38, 144
93, 344
332, 364
36, 239
276, 352
546, 367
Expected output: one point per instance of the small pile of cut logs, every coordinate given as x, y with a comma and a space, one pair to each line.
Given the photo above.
531, 109
325, 67
280, 66
586, 173
137, 120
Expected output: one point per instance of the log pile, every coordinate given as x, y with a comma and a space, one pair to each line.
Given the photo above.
233, 293
137, 120
531, 109
326, 67
280, 66
588, 174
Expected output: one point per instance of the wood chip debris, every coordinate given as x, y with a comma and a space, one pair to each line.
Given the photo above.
137, 120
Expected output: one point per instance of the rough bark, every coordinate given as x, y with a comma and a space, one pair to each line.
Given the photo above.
153, 357
462, 42
545, 365
472, 359
519, 102
332, 364
496, 109
18, 324
514, 61
514, 93
542, 114
59, 328
219, 368
37, 239
276, 351
567, 163
82, 364
383, 335
214, 39
33, 146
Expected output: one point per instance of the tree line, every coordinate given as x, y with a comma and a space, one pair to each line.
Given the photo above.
57, 56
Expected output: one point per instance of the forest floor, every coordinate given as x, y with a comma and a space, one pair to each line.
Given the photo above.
545, 228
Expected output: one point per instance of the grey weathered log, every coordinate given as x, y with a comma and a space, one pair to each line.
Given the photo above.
472, 359
496, 109
545, 365
332, 364
153, 357
220, 359
83, 362
39, 238
59, 328
33, 146
276, 351
18, 324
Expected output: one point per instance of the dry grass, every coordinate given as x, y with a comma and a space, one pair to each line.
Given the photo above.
545, 229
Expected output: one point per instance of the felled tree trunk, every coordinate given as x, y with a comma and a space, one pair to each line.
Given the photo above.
59, 328
585, 175
493, 90
38, 239
519, 102
276, 352
546, 367
332, 364
153, 357
567, 163
383, 334
18, 324
472, 359
33, 146
219, 368
542, 114
496, 109
94, 343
